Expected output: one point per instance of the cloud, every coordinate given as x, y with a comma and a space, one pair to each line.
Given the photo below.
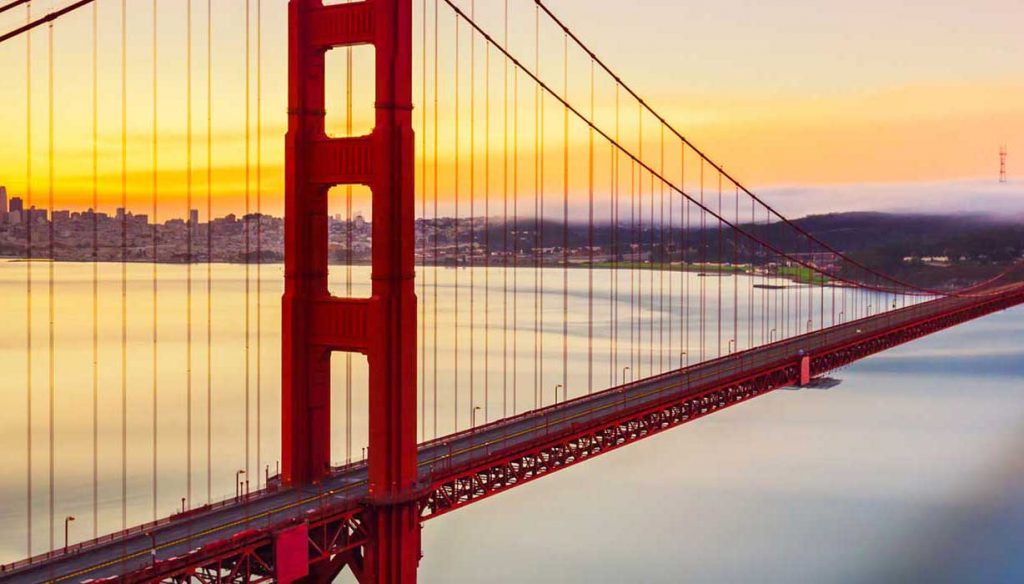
976, 196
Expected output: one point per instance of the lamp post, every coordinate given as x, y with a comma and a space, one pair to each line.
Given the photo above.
67, 521
183, 504
238, 483
810, 324
557, 387
842, 313
681, 355
732, 345
624, 370
472, 416
771, 336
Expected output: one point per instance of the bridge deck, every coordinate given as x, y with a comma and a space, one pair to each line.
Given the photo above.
176, 537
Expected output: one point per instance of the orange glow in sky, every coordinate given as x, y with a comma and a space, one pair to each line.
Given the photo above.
780, 94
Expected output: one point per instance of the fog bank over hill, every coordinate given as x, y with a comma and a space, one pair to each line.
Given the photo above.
979, 196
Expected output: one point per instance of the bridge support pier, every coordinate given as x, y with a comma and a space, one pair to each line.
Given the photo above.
393, 553
383, 327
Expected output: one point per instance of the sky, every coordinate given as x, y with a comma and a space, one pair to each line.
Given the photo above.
819, 106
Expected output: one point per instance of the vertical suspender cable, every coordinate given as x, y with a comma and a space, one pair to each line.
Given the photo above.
455, 223
472, 206
652, 227
613, 289
684, 283
348, 256
650, 278
245, 226
515, 239
590, 240
50, 333
95, 272
28, 283
259, 241
719, 259
538, 221
191, 227
124, 264
423, 242
435, 225
565, 221
153, 274
703, 257
504, 246
633, 267
665, 250
209, 251
753, 280
663, 254
487, 233
735, 273
635, 276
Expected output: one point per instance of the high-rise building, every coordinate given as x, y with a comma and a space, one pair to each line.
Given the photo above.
17, 204
3, 204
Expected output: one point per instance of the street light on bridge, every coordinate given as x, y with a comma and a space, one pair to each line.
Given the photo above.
67, 521
472, 416
624, 370
557, 387
238, 483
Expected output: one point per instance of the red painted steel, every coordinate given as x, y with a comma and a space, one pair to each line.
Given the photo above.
315, 323
805, 370
291, 560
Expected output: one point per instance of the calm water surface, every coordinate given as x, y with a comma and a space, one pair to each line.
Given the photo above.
907, 470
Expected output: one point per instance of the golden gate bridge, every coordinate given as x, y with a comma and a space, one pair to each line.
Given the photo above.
555, 272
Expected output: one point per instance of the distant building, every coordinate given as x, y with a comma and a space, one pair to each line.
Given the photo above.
823, 260
3, 204
17, 204
33, 216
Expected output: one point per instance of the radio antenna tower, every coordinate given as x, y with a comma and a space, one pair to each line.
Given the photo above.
1002, 164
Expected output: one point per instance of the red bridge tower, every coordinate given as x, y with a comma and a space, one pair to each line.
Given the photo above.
382, 327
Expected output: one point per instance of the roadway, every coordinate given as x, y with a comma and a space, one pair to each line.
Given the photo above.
176, 537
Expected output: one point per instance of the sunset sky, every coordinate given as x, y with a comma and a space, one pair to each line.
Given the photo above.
817, 105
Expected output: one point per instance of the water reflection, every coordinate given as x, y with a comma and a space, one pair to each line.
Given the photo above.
209, 351
904, 473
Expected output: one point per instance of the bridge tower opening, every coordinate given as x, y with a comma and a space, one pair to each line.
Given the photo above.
383, 326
